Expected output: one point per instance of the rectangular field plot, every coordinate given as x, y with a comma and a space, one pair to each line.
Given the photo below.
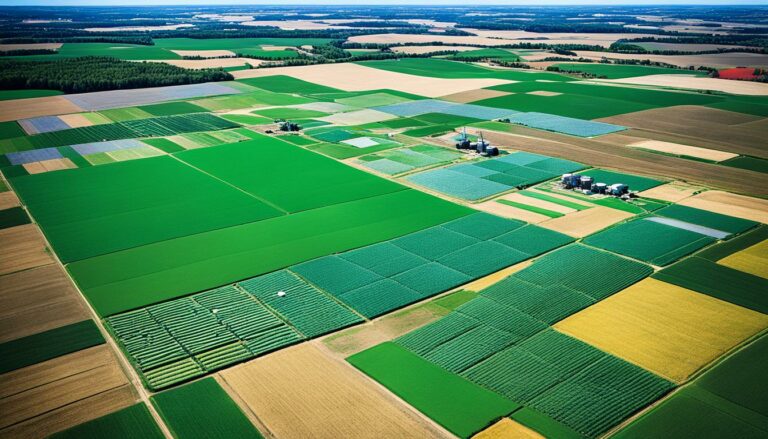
184, 338
134, 422
635, 182
408, 159
43, 124
728, 400
565, 125
650, 241
203, 406
752, 260
718, 281
140, 276
417, 108
377, 279
450, 400
133, 203
664, 328
703, 218
293, 179
478, 180
103, 100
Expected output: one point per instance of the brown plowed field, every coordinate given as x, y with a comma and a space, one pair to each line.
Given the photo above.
23, 248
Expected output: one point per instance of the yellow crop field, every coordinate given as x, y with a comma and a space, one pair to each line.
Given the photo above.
507, 429
753, 260
669, 330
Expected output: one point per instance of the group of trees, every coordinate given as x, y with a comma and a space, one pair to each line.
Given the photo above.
87, 74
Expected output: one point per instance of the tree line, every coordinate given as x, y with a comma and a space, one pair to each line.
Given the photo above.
87, 74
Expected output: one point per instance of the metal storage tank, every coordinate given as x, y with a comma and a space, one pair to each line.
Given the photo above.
585, 182
600, 188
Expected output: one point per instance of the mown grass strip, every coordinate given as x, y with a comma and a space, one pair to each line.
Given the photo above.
134, 422
551, 199
54, 343
534, 209
203, 410
453, 402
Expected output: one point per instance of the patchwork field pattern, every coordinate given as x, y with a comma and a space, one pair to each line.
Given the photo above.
103, 100
664, 328
478, 180
565, 125
417, 108
408, 159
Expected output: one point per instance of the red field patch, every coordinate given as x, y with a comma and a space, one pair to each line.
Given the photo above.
740, 73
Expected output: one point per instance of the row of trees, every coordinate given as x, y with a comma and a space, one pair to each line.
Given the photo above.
86, 74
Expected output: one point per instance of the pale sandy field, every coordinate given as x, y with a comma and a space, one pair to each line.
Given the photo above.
487, 281
672, 192
543, 93
49, 165
31, 46
302, 392
76, 120
530, 201
8, 199
37, 300
755, 209
688, 47
16, 109
752, 260
595, 39
586, 222
749, 88
47, 397
354, 77
678, 149
293, 24
204, 53
357, 117
428, 49
210, 63
503, 210
23, 248
420, 38
718, 60
473, 95
669, 330
538, 56
507, 429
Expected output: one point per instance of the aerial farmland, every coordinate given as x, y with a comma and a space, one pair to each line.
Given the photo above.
316, 221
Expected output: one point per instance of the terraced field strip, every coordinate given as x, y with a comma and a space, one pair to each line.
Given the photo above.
555, 200
718, 281
203, 409
302, 392
729, 399
650, 241
134, 422
50, 344
453, 402
535, 209
664, 328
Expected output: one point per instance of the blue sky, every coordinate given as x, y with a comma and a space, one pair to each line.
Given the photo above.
376, 2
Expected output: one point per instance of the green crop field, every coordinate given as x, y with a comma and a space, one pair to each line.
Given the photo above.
233, 44
12, 217
741, 242
288, 84
27, 93
203, 409
705, 218
50, 344
134, 203
289, 113
616, 71
134, 422
544, 424
120, 51
453, 402
718, 281
171, 108
748, 163
438, 68
499, 54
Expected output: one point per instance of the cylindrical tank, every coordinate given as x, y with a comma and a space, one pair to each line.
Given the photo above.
585, 182
565, 179
600, 188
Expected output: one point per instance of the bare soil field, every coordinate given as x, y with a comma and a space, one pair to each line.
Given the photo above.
594, 39
586, 222
543, 93
354, 77
357, 117
76, 120
31, 46
15, 109
428, 49
394, 38
530, 201
204, 53
210, 63
506, 211
699, 126
23, 248
302, 392
465, 97
602, 152
8, 199
538, 56
689, 47
718, 60
507, 429
49, 165
741, 206
678, 149
672, 192
47, 397
749, 88
137, 28
37, 300
293, 24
